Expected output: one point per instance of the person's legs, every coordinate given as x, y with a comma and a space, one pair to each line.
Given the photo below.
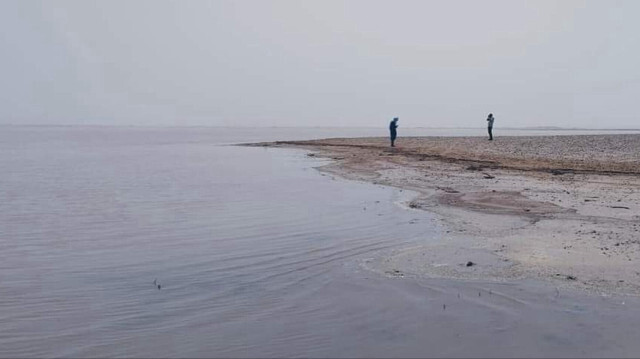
393, 139
490, 133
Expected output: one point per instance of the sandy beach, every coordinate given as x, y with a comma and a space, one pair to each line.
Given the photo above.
564, 209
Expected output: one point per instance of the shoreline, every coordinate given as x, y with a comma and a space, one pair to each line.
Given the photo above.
564, 209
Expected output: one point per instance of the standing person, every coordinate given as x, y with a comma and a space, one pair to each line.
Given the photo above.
392, 130
490, 126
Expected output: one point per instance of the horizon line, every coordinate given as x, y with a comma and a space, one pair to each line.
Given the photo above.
529, 128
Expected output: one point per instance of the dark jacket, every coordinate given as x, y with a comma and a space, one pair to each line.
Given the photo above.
393, 126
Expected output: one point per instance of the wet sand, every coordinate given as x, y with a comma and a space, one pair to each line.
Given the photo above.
564, 209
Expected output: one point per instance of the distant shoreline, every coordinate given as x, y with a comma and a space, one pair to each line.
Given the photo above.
542, 128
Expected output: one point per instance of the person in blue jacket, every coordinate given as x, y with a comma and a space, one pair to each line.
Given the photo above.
393, 125
490, 120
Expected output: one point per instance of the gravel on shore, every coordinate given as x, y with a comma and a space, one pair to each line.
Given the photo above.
591, 153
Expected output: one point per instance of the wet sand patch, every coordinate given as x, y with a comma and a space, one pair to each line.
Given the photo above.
504, 202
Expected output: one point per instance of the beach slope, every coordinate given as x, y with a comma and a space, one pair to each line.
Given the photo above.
560, 208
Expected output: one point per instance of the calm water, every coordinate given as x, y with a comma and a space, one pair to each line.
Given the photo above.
256, 252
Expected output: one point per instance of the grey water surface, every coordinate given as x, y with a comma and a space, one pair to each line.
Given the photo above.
255, 252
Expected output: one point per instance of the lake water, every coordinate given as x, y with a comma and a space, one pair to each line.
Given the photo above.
257, 254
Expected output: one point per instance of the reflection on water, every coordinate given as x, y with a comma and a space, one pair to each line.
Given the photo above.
256, 254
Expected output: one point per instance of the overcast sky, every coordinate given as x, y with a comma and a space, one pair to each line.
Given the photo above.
309, 63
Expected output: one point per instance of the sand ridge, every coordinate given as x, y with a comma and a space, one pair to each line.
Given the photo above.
585, 153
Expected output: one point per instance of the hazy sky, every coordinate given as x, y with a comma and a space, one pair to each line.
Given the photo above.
351, 63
